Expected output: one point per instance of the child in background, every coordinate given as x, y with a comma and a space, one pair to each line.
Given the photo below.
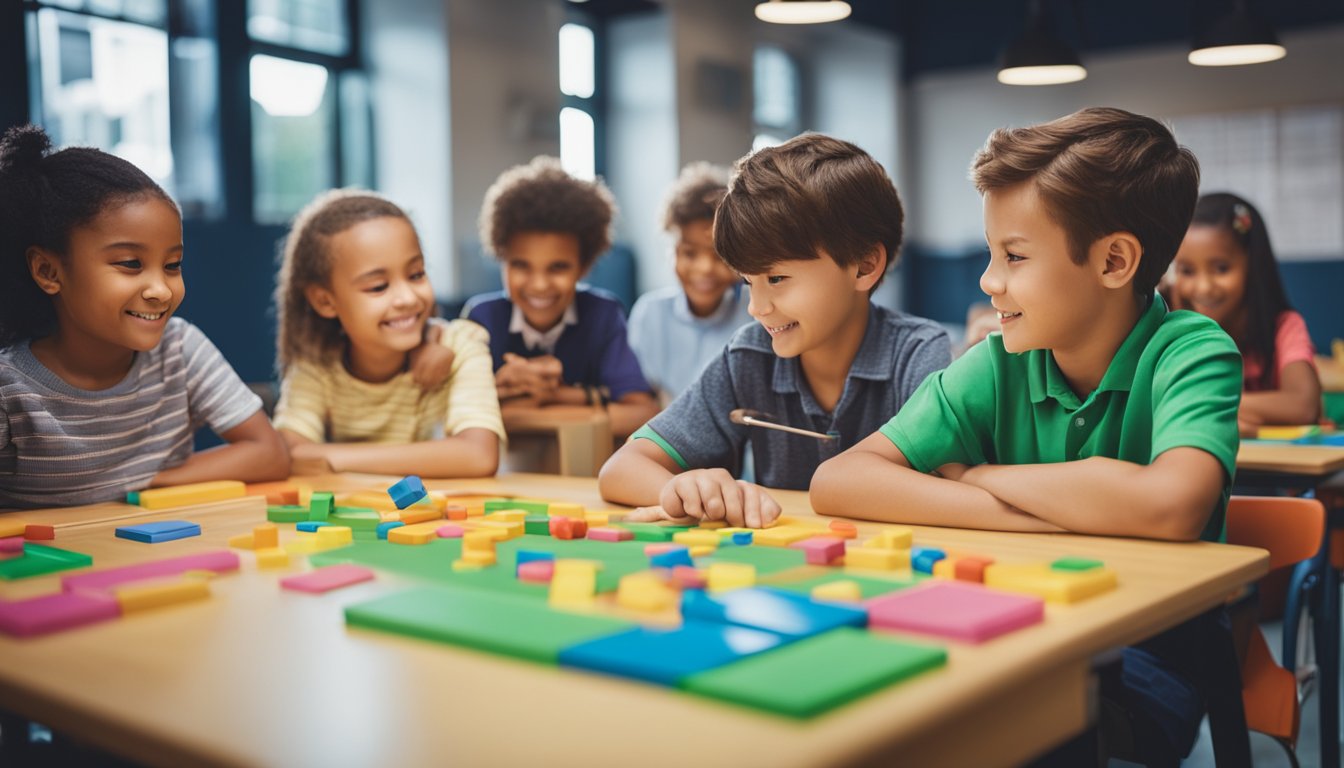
812, 226
677, 329
354, 302
555, 342
1225, 269
1095, 410
101, 388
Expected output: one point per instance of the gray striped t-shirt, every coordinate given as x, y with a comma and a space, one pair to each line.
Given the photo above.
61, 446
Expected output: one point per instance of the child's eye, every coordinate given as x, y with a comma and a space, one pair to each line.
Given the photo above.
173, 266
418, 276
379, 288
128, 263
1013, 258
776, 279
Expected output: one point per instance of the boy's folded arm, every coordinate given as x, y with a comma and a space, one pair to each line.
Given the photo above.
850, 484
473, 452
1171, 498
253, 452
636, 473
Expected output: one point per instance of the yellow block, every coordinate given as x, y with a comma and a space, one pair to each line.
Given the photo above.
596, 519
415, 514
507, 516
11, 528
945, 568
467, 565
512, 528
1285, 433
838, 591
695, 538
272, 558
304, 544
1055, 586
783, 537
564, 509
196, 493
892, 538
333, 536
265, 536
712, 525
872, 559
142, 598
644, 591
243, 541
479, 557
727, 533
701, 551
721, 577
573, 583
479, 541
420, 533
305, 495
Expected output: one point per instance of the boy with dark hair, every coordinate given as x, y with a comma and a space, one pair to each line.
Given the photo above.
812, 226
553, 340
1094, 410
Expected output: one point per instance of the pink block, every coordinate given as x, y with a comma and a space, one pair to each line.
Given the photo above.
956, 610
663, 546
610, 534
327, 579
821, 550
686, 577
219, 561
12, 544
536, 570
450, 531
53, 613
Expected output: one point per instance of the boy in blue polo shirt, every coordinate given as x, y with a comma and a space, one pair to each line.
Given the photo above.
1094, 410
812, 226
554, 341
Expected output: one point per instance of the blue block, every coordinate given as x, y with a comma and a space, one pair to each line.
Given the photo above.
667, 656
310, 525
164, 530
133, 498
923, 558
672, 558
383, 528
406, 491
786, 613
742, 538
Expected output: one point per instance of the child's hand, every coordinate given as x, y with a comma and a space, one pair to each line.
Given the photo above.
713, 494
309, 459
431, 362
546, 377
512, 377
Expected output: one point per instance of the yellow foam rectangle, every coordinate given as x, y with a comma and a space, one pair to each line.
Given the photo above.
945, 568
480, 541
696, 538
195, 493
479, 557
712, 525
304, 544
565, 509
507, 516
596, 519
11, 528
644, 591
272, 558
727, 533
416, 514
873, 559
1054, 586
512, 528
783, 536
843, 591
720, 577
420, 533
243, 541
140, 598
266, 536
333, 536
892, 538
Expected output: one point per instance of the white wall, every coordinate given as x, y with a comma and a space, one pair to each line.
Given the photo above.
951, 114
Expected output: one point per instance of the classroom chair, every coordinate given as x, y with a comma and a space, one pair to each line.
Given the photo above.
1292, 530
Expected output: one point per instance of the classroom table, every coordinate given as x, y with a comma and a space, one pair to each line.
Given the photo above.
567, 440
1275, 465
259, 676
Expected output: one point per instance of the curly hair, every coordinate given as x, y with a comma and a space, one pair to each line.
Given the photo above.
540, 197
695, 195
44, 196
305, 260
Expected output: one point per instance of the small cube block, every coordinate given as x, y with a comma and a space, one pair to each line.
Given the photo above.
697, 538
479, 557
333, 536
843, 591
320, 505
287, 514
721, 577
568, 528
508, 529
679, 555
33, 532
874, 559
892, 538
383, 528
743, 539
12, 545
309, 526
821, 550
557, 509
596, 519
478, 541
507, 516
923, 558
455, 512
272, 558
537, 525
406, 491
972, 568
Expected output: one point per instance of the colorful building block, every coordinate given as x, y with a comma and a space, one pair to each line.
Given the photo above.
278, 493
406, 491
892, 538
196, 493
783, 536
321, 505
923, 558
326, 579
536, 571
785, 613
287, 514
358, 518
537, 525
11, 528
743, 539
955, 610
509, 529
972, 568
455, 512
821, 550
12, 545
573, 583
668, 656
644, 591
53, 613
697, 538
383, 528
333, 536
686, 577
309, 526
508, 515
478, 541
844, 529
420, 533
721, 577
531, 506
610, 534
417, 514
565, 527
843, 591
219, 561
1056, 586
33, 532
671, 558
876, 559
155, 532
1076, 564
143, 597
596, 519
558, 509
272, 558
450, 531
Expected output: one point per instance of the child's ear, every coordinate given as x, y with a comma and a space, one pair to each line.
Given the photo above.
45, 268
321, 300
1120, 255
872, 265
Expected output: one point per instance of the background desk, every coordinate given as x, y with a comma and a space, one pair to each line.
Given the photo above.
260, 676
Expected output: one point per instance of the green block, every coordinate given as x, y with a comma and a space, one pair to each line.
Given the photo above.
495, 623
537, 525
819, 673
133, 498
288, 513
1075, 564
320, 507
530, 507
653, 531
38, 559
766, 559
803, 580
356, 518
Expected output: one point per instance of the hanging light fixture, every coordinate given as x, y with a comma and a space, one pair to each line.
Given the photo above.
802, 11
1038, 56
1240, 37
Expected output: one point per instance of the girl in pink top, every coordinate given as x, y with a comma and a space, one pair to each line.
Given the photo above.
1225, 269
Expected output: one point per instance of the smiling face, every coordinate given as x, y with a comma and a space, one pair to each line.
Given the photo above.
1210, 275
1043, 298
805, 304
541, 272
379, 290
703, 275
122, 277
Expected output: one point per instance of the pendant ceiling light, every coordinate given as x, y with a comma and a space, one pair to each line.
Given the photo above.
1240, 37
1038, 56
802, 11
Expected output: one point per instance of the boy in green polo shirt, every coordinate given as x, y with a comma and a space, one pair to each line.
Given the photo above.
1094, 410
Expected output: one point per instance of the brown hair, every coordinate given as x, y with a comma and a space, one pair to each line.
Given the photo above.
302, 333
695, 195
808, 195
540, 197
1099, 171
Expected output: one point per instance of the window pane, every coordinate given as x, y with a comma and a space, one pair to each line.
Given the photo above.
293, 136
775, 86
576, 61
193, 83
313, 25
104, 83
356, 131
576, 143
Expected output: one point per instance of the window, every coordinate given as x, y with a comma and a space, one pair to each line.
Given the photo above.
775, 97
578, 123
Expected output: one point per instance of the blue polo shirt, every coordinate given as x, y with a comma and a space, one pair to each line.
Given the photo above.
897, 352
673, 344
594, 351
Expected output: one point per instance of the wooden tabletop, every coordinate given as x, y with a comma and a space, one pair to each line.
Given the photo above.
1310, 460
260, 676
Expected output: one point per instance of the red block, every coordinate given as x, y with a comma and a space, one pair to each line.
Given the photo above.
568, 528
971, 568
39, 532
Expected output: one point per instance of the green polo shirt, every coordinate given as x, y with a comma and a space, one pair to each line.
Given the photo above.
1175, 381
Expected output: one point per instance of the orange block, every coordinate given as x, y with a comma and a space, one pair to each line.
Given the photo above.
844, 529
972, 568
280, 493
